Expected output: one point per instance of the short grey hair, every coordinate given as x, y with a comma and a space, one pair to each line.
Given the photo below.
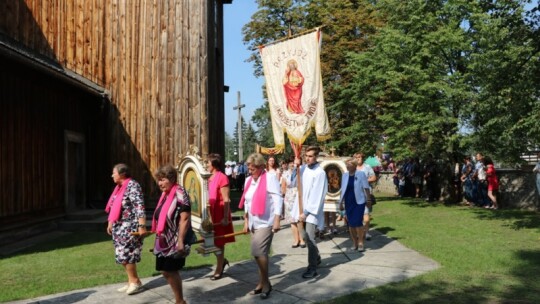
257, 159
168, 172
123, 170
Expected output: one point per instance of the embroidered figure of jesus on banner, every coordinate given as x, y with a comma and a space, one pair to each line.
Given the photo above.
292, 83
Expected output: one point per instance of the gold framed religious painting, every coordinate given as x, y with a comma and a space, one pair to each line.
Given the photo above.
192, 184
334, 175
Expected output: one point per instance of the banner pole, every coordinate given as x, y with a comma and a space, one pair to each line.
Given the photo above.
298, 154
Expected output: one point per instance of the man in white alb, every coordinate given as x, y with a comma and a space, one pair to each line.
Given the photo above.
314, 188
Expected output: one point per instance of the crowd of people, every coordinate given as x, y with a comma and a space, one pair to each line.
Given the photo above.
410, 176
292, 192
475, 182
479, 181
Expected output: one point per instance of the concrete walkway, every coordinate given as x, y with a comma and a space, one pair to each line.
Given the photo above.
343, 271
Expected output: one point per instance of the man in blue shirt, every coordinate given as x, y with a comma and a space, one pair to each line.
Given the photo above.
241, 177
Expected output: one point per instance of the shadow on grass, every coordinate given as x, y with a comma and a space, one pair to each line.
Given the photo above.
419, 203
527, 290
385, 198
524, 289
384, 230
72, 240
422, 292
516, 219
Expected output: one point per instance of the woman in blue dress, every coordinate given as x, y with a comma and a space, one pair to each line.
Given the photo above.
354, 195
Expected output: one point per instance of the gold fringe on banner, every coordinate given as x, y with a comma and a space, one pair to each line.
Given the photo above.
270, 151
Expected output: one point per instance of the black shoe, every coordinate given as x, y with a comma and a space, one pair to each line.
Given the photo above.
256, 291
296, 245
319, 261
266, 294
218, 276
311, 273
303, 245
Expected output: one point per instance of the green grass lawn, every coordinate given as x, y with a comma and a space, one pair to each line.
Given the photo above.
486, 256
83, 260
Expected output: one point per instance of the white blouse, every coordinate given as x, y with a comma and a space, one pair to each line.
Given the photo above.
274, 203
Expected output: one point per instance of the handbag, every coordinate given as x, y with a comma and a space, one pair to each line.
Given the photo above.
373, 200
162, 250
190, 237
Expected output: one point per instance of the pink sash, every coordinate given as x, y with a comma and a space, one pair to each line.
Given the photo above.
114, 205
258, 203
160, 227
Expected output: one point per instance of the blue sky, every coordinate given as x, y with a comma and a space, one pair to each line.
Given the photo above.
238, 73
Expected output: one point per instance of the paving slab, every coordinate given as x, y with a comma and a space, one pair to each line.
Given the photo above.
342, 271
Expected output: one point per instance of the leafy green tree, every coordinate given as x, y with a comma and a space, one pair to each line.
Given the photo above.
505, 61
261, 119
249, 141
230, 148
409, 86
436, 73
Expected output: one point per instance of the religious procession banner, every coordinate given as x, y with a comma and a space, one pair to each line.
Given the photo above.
294, 88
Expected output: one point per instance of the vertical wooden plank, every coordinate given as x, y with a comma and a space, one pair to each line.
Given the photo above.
154, 86
30, 24
61, 32
170, 84
202, 59
108, 8
6, 8
13, 17
49, 11
88, 12
194, 45
185, 81
150, 84
25, 28
3, 126
130, 71
41, 41
11, 151
142, 61
79, 37
114, 56
121, 62
70, 34
99, 28
162, 78
177, 98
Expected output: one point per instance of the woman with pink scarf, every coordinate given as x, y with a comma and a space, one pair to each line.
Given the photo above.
262, 203
220, 211
126, 215
172, 224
